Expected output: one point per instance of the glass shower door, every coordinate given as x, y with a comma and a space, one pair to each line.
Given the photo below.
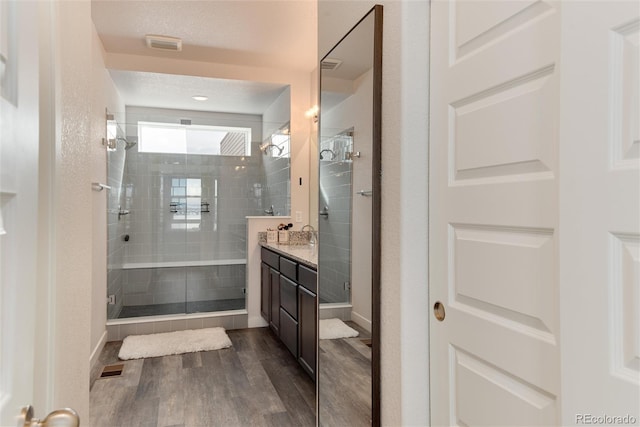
219, 197
334, 223
147, 227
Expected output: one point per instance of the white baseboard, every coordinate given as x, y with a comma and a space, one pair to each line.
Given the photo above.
95, 354
361, 321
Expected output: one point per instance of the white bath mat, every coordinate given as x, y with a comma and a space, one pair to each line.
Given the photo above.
155, 345
335, 328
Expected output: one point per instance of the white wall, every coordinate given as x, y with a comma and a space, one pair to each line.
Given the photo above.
405, 307
313, 153
103, 96
73, 206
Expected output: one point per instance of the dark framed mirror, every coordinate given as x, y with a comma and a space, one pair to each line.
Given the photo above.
349, 156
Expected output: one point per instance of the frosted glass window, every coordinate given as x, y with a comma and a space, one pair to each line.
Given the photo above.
172, 138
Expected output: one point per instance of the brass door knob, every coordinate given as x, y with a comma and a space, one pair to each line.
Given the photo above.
65, 417
438, 311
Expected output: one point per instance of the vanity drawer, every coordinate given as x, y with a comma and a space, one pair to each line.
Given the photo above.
308, 278
289, 268
270, 258
289, 332
289, 296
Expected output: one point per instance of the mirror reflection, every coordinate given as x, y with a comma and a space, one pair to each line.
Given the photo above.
345, 229
184, 173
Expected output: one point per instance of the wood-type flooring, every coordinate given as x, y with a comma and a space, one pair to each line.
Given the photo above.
257, 382
345, 381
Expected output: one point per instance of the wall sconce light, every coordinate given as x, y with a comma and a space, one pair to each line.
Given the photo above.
2, 230
312, 112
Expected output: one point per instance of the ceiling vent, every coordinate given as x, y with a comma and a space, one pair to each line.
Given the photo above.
330, 64
163, 42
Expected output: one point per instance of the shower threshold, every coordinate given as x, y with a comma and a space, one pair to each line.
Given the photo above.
181, 308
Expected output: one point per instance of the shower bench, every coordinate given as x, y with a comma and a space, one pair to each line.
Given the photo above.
165, 264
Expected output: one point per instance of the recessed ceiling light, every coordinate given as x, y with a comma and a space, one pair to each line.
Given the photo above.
200, 97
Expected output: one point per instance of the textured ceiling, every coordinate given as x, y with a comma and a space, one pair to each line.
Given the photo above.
261, 33
355, 51
172, 91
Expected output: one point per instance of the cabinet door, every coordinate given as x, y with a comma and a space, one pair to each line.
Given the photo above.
289, 296
289, 332
274, 320
307, 315
265, 291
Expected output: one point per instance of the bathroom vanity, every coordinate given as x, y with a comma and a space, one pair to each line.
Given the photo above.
289, 298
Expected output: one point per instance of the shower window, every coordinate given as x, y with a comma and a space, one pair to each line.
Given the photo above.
186, 197
169, 138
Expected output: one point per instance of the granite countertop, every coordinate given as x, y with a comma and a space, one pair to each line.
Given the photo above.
304, 253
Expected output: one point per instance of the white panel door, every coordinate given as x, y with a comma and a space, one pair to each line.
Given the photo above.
18, 205
600, 212
534, 212
494, 213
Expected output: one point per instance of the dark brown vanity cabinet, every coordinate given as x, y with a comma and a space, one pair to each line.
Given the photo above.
270, 290
307, 330
274, 319
289, 304
265, 288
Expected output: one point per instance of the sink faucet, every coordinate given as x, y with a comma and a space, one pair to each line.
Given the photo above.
312, 237
269, 211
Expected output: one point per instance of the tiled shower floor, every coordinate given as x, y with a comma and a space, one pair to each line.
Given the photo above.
181, 308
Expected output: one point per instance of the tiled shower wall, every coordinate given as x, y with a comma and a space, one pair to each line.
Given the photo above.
145, 286
335, 231
233, 186
348, 127
277, 191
